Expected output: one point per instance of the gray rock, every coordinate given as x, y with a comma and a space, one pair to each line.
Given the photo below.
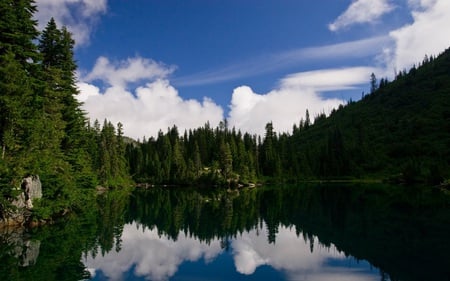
31, 189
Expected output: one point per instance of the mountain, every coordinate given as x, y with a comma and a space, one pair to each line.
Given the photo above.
401, 130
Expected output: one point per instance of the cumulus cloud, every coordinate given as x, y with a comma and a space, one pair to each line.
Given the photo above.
80, 16
426, 35
285, 106
361, 11
296, 93
151, 105
148, 109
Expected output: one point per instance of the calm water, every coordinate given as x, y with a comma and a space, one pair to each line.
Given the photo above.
320, 232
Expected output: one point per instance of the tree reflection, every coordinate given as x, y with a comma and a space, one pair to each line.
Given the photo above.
400, 230
392, 227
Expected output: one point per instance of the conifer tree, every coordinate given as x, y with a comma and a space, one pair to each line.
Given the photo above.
18, 66
18, 31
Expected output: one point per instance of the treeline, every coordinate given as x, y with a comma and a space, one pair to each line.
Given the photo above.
398, 132
226, 156
43, 130
218, 155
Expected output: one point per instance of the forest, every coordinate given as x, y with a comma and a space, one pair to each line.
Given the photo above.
400, 131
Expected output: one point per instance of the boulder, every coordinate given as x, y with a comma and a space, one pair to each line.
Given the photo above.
31, 189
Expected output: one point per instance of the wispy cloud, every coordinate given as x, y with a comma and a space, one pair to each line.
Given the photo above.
330, 79
362, 11
80, 16
272, 62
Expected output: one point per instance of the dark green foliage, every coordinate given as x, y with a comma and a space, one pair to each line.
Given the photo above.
18, 30
203, 155
111, 164
399, 131
43, 130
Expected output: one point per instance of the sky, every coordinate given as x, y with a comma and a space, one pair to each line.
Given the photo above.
153, 64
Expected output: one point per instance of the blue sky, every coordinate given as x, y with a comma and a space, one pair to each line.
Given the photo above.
151, 64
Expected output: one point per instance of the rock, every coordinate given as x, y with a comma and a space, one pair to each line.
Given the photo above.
31, 189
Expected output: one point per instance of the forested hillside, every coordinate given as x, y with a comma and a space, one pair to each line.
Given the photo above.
400, 131
43, 130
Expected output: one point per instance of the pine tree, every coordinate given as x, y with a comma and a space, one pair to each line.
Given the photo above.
270, 162
18, 66
225, 160
18, 31
56, 47
373, 83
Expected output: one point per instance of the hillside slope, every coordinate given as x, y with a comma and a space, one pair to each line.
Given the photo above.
402, 128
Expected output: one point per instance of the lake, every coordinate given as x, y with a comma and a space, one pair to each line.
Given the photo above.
307, 232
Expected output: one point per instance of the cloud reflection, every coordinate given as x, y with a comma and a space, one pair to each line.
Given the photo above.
153, 256
158, 257
297, 258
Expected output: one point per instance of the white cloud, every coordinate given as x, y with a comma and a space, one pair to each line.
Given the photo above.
148, 109
427, 35
151, 104
250, 112
330, 79
128, 71
362, 11
80, 16
297, 93
154, 104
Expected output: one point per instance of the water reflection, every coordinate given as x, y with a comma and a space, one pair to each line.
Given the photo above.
322, 232
298, 258
148, 254
20, 246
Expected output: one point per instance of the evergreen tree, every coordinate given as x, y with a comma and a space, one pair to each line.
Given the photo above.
225, 160
56, 47
178, 169
18, 31
270, 161
373, 83
18, 84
